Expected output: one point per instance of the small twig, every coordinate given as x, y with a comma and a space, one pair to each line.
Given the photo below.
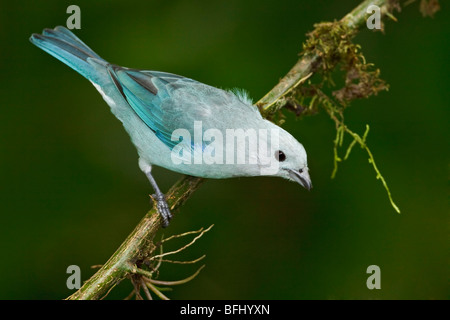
175, 283
144, 287
182, 235
337, 142
156, 291
202, 232
128, 297
160, 260
137, 289
363, 145
349, 149
184, 262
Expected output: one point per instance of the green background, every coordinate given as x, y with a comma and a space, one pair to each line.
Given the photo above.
71, 190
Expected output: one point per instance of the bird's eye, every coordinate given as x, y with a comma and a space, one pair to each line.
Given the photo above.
301, 170
280, 156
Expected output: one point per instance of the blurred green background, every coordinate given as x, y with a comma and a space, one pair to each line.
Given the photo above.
71, 190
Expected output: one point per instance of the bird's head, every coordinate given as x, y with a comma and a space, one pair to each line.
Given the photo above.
290, 157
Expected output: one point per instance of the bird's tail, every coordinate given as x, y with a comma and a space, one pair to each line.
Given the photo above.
68, 48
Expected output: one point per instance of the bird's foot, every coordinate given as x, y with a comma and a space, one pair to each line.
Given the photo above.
162, 207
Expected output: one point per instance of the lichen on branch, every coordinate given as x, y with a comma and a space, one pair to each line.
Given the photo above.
331, 43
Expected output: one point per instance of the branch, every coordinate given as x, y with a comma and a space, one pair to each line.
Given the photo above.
310, 63
136, 247
139, 244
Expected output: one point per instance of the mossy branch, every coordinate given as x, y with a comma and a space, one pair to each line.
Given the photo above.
328, 46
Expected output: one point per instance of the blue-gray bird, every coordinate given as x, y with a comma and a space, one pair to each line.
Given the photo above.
162, 112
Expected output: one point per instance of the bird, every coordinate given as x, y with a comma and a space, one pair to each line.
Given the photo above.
182, 124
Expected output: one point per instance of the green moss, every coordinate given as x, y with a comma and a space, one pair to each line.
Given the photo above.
331, 43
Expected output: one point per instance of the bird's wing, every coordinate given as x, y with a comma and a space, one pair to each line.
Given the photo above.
166, 102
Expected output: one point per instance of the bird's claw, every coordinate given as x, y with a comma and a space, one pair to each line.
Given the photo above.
163, 208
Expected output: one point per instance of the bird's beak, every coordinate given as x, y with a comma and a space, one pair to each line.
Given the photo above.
301, 177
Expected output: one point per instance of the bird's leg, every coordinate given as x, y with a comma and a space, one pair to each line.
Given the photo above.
160, 199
